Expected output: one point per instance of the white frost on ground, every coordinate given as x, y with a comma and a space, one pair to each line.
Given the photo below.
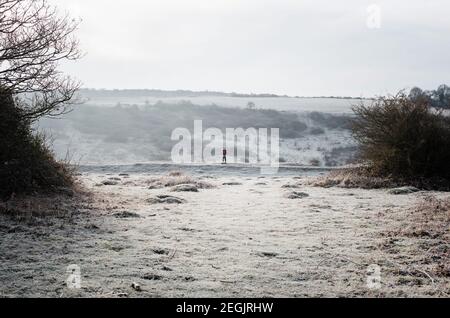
242, 240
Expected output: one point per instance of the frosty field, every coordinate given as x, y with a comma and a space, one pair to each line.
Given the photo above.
238, 236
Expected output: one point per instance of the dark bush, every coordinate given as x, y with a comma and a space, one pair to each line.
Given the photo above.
316, 131
404, 138
439, 98
330, 121
26, 164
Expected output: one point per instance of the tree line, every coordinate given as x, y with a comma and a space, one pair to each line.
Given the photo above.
438, 98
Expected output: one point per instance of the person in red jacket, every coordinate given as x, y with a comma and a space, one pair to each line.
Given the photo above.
224, 158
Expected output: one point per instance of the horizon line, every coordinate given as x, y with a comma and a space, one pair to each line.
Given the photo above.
223, 93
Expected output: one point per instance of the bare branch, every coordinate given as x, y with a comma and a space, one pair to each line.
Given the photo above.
34, 38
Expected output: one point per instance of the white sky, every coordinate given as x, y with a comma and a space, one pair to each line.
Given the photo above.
295, 47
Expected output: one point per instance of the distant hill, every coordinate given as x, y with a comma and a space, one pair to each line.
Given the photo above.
130, 134
98, 93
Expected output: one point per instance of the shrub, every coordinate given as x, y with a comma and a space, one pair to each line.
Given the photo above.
330, 121
26, 163
316, 131
355, 177
403, 138
314, 162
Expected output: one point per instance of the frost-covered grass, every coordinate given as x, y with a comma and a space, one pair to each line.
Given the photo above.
352, 178
174, 179
245, 240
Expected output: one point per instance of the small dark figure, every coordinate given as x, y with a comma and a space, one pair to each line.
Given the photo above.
224, 158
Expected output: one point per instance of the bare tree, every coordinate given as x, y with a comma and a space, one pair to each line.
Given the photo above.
34, 38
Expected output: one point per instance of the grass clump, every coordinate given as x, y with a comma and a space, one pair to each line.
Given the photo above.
175, 179
355, 177
423, 234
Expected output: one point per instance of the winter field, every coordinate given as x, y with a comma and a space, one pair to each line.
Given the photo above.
141, 226
229, 234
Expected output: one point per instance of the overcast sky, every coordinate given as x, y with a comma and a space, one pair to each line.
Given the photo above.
295, 47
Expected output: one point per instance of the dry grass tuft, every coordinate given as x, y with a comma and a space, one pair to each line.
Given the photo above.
424, 235
431, 218
174, 179
60, 205
353, 178
364, 177
175, 174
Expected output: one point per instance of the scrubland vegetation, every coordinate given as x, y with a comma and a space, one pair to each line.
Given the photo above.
402, 141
